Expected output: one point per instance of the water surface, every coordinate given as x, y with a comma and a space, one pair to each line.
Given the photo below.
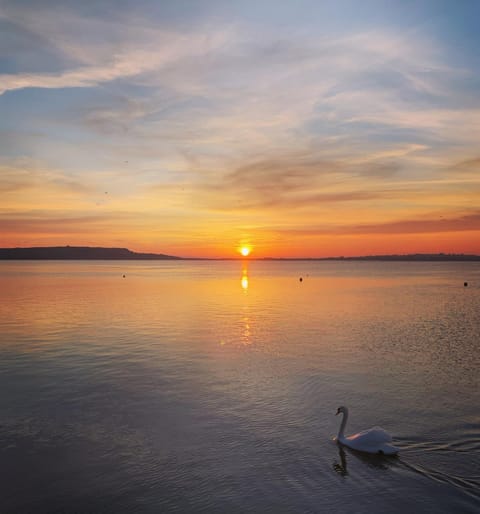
200, 386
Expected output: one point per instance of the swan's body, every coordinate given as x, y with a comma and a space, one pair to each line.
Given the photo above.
373, 440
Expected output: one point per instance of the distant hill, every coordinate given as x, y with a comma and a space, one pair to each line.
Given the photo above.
78, 253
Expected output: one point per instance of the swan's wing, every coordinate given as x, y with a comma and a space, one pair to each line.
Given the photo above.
382, 448
375, 440
371, 437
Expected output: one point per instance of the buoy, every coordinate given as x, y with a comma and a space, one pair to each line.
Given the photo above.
300, 279
465, 284
123, 276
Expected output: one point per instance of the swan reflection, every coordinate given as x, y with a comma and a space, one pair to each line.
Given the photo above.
372, 460
341, 467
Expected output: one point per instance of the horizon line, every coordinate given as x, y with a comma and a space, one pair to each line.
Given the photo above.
161, 256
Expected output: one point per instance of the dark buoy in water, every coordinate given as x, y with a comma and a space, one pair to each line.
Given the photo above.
301, 279
465, 284
123, 276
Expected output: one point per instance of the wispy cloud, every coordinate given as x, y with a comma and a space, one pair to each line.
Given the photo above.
425, 225
103, 50
469, 168
25, 173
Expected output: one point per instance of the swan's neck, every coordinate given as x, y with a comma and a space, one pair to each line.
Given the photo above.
341, 433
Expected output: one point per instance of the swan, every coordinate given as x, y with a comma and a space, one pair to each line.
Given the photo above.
373, 440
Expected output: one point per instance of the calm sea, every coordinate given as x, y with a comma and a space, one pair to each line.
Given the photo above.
199, 386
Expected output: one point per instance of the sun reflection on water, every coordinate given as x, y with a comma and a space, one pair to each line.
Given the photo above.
244, 281
246, 332
246, 335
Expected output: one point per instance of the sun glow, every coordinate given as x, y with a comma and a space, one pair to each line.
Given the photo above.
245, 251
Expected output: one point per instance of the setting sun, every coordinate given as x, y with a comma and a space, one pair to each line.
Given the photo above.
245, 250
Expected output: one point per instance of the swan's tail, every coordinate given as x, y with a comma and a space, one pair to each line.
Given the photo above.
388, 449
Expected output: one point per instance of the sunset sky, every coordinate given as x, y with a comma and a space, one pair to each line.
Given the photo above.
298, 128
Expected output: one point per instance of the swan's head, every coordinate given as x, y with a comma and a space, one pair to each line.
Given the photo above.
341, 410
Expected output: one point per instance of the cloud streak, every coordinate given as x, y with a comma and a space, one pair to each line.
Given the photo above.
464, 223
23, 174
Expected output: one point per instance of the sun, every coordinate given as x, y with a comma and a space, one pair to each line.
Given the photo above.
245, 250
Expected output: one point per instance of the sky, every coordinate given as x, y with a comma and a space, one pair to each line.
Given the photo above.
193, 128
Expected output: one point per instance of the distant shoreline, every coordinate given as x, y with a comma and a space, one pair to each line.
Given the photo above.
79, 253
415, 257
114, 254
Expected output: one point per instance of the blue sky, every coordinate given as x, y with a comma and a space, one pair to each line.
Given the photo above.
195, 127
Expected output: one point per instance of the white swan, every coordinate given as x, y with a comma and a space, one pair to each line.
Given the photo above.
373, 440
